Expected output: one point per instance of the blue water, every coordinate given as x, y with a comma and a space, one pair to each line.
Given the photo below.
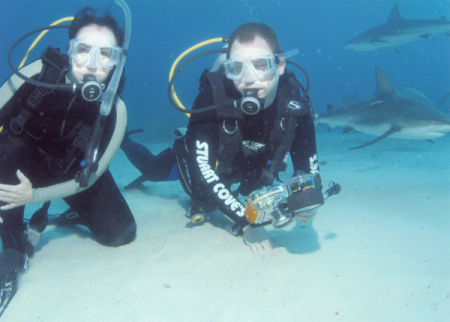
163, 29
387, 227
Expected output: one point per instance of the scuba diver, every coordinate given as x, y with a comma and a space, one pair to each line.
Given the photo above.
62, 123
249, 114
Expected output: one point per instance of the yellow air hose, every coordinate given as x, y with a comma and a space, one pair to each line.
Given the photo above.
174, 65
39, 38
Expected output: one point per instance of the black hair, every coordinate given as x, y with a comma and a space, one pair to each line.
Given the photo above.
89, 16
247, 32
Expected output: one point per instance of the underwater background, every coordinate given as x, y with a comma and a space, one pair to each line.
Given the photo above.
378, 251
162, 30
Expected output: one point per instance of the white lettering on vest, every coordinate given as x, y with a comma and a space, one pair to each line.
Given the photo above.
210, 176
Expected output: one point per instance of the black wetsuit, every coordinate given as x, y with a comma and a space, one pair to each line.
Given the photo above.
212, 189
45, 153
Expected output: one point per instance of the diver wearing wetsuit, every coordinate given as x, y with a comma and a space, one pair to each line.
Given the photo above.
197, 153
48, 151
45, 137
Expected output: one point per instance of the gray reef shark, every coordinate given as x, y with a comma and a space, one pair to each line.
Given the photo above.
407, 114
397, 31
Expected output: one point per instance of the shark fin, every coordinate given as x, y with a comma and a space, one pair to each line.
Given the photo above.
395, 14
384, 86
330, 128
427, 36
431, 141
347, 129
330, 107
392, 130
378, 40
444, 18
440, 102
392, 49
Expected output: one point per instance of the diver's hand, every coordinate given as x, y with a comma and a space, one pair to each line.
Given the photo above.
16, 195
258, 241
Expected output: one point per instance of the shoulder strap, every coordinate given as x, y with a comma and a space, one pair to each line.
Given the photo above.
230, 121
55, 66
291, 106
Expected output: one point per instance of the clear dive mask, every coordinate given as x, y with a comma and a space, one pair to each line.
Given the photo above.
261, 67
93, 54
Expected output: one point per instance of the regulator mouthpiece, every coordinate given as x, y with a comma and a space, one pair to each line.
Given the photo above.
91, 89
251, 104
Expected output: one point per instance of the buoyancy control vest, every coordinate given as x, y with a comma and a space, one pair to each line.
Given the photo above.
55, 66
291, 106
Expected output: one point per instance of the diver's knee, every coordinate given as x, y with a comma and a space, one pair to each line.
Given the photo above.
119, 237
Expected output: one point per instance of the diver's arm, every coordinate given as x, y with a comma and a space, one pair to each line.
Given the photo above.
203, 144
71, 187
304, 149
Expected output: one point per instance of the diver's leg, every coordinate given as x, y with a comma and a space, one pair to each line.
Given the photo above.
138, 154
154, 168
105, 212
15, 155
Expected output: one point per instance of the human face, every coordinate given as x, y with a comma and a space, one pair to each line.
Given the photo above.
269, 85
98, 34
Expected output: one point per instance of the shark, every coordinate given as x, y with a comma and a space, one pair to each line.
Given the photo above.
406, 114
398, 31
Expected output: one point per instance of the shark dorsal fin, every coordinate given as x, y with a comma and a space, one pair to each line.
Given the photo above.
395, 14
443, 18
384, 86
330, 107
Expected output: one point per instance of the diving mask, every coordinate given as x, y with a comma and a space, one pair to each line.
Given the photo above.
94, 54
261, 67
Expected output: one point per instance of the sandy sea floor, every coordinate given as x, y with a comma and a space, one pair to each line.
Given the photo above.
378, 251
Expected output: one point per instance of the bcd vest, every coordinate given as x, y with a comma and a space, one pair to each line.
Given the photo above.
291, 106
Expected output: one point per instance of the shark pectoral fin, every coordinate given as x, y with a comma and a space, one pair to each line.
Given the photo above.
393, 49
392, 130
347, 129
431, 141
374, 40
427, 36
